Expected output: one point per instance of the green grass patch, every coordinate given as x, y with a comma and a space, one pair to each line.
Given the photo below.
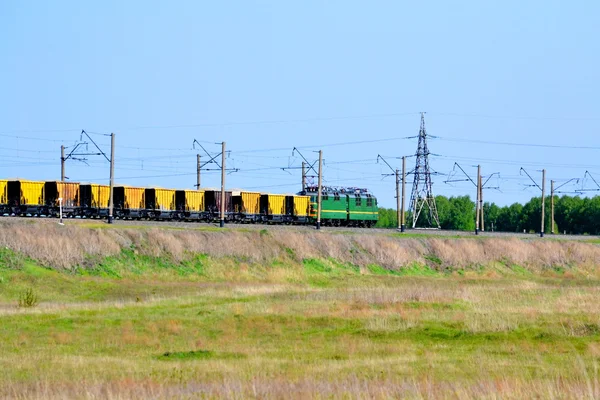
316, 266
520, 270
379, 270
9, 260
434, 260
129, 262
418, 270
199, 355
290, 252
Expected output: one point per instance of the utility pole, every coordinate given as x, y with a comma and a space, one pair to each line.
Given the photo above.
320, 188
306, 167
398, 211
552, 207
402, 215
62, 163
543, 189
112, 178
198, 169
303, 176
212, 159
74, 155
482, 225
477, 200
222, 223
480, 185
399, 206
543, 200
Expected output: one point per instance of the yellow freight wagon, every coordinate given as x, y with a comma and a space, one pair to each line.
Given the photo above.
25, 196
100, 196
3, 192
27, 192
134, 197
94, 196
165, 199
301, 206
194, 200
250, 202
129, 198
159, 199
272, 204
67, 191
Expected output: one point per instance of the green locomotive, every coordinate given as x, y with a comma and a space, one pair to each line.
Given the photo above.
343, 206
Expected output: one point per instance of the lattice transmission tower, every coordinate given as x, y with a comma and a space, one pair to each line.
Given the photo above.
422, 194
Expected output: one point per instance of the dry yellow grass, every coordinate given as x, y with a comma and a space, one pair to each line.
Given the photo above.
352, 387
70, 246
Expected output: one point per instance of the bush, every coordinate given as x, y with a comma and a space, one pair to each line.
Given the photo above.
28, 299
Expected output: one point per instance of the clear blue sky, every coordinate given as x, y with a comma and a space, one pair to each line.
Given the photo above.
272, 74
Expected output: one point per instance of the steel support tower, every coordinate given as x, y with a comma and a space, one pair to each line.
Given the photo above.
422, 194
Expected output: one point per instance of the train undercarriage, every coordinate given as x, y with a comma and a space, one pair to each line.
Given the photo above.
181, 216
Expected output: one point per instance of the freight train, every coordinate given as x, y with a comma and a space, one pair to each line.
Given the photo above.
340, 206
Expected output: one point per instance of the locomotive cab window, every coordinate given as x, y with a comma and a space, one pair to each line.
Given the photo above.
369, 201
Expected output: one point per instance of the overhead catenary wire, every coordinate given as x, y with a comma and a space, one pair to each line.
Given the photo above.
316, 146
498, 143
524, 117
266, 121
26, 150
179, 163
39, 139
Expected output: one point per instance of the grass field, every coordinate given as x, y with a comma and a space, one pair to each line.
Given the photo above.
136, 325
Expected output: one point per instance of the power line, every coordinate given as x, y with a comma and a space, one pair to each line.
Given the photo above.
524, 117
18, 137
511, 162
269, 122
25, 164
4, 157
26, 150
324, 145
143, 176
462, 140
364, 160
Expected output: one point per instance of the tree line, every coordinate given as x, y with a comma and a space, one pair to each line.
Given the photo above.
572, 215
